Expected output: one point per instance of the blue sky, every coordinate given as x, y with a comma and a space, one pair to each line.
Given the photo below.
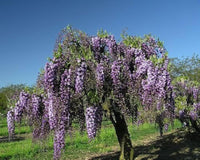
28, 28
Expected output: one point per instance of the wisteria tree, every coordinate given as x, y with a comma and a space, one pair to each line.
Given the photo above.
87, 72
187, 102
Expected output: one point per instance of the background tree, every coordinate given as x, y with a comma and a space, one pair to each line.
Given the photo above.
8, 95
188, 67
187, 102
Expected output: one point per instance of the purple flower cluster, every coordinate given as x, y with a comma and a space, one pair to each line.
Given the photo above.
100, 75
11, 123
36, 106
18, 111
197, 107
148, 49
151, 47
115, 75
193, 115
181, 114
59, 139
96, 44
96, 47
44, 125
195, 93
93, 120
51, 110
195, 112
21, 105
147, 84
65, 94
65, 86
166, 126
111, 43
192, 106
44, 128
156, 88
80, 75
117, 84
50, 76
142, 65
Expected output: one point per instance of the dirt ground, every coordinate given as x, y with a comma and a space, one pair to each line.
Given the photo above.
178, 145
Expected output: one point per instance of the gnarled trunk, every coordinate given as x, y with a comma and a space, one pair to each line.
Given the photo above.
159, 121
123, 136
195, 125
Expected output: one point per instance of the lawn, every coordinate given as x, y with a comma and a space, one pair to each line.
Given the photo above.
77, 146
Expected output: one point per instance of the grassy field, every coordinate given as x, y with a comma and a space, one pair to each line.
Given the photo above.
77, 146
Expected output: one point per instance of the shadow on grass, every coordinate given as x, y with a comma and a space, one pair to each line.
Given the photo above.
6, 139
179, 145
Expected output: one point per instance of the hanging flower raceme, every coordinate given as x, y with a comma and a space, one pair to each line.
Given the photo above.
11, 123
142, 66
62, 113
18, 110
100, 76
36, 106
65, 94
96, 44
52, 103
21, 106
148, 84
117, 84
195, 93
51, 80
93, 120
59, 139
65, 86
112, 45
44, 127
50, 76
193, 115
80, 75
23, 98
190, 110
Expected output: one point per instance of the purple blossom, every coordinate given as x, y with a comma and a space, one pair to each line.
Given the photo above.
193, 115
100, 75
197, 107
93, 120
36, 105
59, 139
65, 93
96, 43
52, 110
80, 75
117, 84
195, 92
65, 86
11, 123
51, 75
111, 43
166, 126
148, 49
21, 106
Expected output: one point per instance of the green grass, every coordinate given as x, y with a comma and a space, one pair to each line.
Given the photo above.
19, 128
77, 146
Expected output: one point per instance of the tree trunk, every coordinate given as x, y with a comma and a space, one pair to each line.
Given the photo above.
195, 125
159, 121
161, 130
123, 136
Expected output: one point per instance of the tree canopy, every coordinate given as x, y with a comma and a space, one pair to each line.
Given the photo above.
87, 72
8, 95
188, 67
